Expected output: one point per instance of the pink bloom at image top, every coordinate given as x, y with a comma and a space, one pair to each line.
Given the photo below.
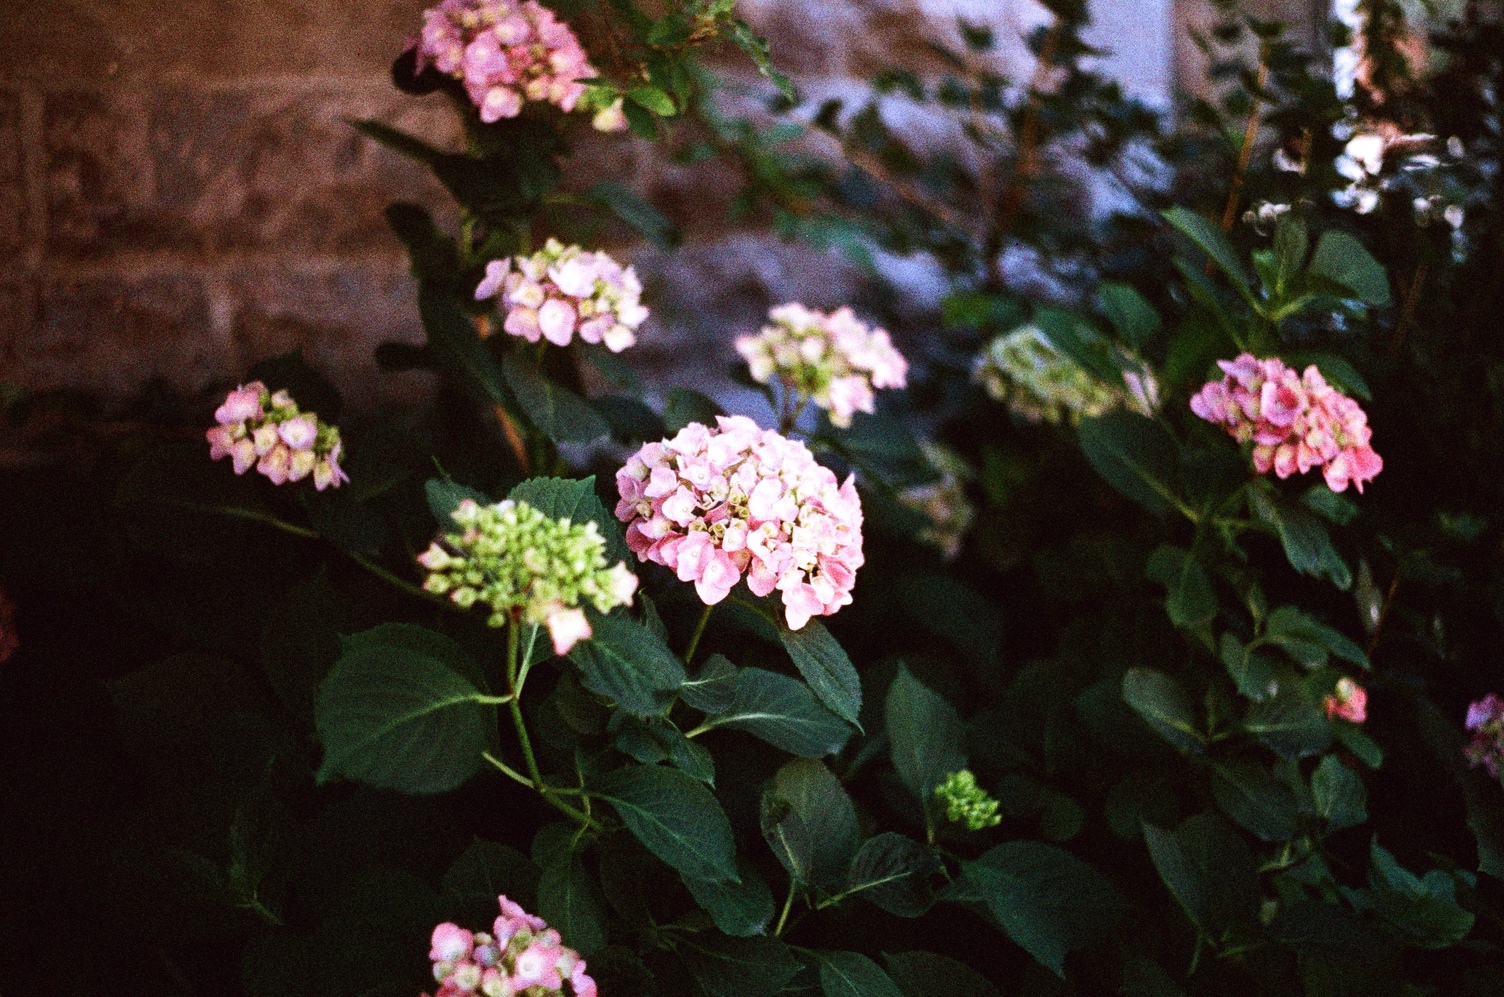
1294, 421
505, 53
714, 504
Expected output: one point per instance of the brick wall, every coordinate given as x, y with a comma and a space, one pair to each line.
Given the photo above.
180, 196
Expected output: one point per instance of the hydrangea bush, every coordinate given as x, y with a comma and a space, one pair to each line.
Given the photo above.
1019, 653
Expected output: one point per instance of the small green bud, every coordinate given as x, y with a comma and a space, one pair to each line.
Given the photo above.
966, 802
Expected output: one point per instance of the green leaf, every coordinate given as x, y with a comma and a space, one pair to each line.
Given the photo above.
1076, 339
421, 641
684, 406
1308, 546
1340, 796
654, 100
570, 901
780, 710
824, 664
1289, 724
674, 816
1209, 869
488, 869
1133, 317
563, 415
1291, 241
1352, 738
1424, 909
574, 499
1189, 600
1163, 704
954, 612
739, 909
1341, 258
892, 872
1210, 240
398, 141
882, 447
714, 689
851, 974
810, 822
459, 351
738, 967
1250, 795
1137, 456
641, 120
925, 735
1307, 641
628, 664
1324, 502
397, 718
1046, 899
1251, 671
647, 220
444, 496
928, 974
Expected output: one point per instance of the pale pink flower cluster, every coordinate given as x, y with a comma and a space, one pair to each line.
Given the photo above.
1348, 701
521, 955
505, 52
712, 504
265, 430
563, 290
1485, 718
832, 360
1295, 421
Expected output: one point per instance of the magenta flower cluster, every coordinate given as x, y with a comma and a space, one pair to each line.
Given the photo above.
1485, 719
267, 431
561, 291
712, 504
1294, 421
521, 955
505, 52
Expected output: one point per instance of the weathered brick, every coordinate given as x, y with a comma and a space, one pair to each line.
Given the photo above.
99, 176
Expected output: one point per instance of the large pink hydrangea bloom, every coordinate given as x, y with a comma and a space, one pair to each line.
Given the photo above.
505, 52
714, 504
1295, 421
520, 953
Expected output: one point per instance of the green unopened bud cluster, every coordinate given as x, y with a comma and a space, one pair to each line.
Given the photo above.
1039, 382
966, 802
520, 564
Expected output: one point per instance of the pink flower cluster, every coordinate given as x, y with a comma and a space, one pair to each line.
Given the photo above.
1349, 701
505, 52
1295, 421
522, 954
834, 360
1485, 719
561, 290
265, 430
714, 503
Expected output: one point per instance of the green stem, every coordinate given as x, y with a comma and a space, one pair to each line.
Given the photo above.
236, 512
788, 905
507, 770
694, 640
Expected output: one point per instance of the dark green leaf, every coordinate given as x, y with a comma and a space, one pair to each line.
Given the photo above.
1163, 704
1307, 641
570, 902
925, 735
851, 974
1250, 795
714, 688
1046, 899
824, 664
1352, 738
444, 496
487, 870
1189, 600
1308, 546
815, 846
1251, 671
575, 500
628, 664
892, 872
1210, 240
684, 406
739, 909
1290, 724
738, 967
1209, 869
399, 719
1136, 456
1341, 258
781, 711
563, 415
654, 100
928, 974
1424, 909
647, 220
1133, 317
1340, 796
674, 816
